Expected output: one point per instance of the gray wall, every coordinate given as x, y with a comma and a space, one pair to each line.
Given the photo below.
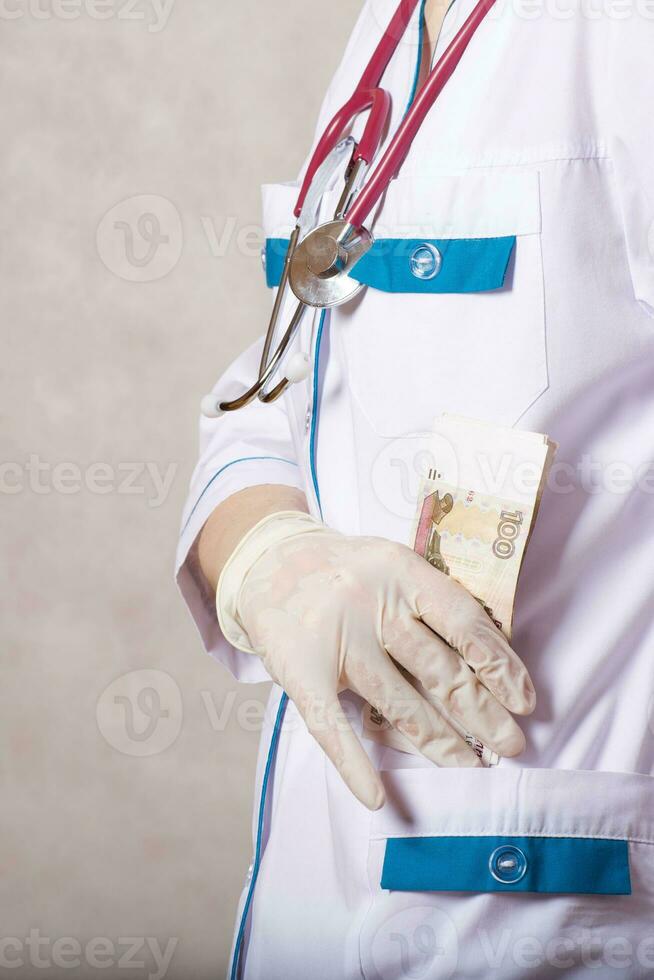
126, 808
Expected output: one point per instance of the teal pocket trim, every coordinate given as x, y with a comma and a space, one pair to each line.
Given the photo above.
468, 265
549, 865
276, 249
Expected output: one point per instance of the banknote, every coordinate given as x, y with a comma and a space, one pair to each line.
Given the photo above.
476, 539
476, 509
477, 505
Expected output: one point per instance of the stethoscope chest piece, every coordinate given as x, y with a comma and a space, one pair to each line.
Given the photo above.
319, 272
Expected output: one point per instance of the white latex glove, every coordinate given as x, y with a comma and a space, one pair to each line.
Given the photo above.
327, 612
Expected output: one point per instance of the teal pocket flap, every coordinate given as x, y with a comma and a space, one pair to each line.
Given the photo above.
550, 865
404, 265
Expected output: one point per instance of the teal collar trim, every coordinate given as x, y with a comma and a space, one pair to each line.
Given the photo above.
549, 865
463, 265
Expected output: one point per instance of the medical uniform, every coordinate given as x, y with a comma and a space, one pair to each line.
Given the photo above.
511, 280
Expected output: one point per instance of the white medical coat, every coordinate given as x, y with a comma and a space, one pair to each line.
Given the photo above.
544, 135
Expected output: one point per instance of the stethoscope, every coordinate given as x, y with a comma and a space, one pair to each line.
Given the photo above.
319, 261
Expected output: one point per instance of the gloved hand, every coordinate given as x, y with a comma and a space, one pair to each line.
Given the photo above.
327, 612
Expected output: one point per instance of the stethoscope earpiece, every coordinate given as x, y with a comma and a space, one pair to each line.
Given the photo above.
298, 368
210, 407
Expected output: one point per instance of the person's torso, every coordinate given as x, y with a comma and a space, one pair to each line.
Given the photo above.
512, 166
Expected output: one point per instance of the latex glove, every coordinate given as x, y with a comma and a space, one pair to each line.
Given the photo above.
327, 612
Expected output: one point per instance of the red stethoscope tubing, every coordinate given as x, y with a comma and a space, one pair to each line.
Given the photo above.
369, 96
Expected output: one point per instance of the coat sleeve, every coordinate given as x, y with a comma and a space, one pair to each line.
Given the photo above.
630, 93
242, 449
253, 446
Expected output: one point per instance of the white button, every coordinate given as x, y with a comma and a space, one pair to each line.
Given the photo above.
263, 259
508, 864
426, 261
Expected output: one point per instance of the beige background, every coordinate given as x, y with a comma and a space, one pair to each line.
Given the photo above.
104, 101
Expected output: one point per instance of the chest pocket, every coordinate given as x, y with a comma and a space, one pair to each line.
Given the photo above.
453, 319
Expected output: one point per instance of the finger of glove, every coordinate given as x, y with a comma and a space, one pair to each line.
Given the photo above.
379, 681
449, 610
444, 674
325, 719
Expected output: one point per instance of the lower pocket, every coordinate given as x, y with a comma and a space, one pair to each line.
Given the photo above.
511, 873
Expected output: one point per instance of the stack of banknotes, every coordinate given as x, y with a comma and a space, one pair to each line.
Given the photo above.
477, 505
